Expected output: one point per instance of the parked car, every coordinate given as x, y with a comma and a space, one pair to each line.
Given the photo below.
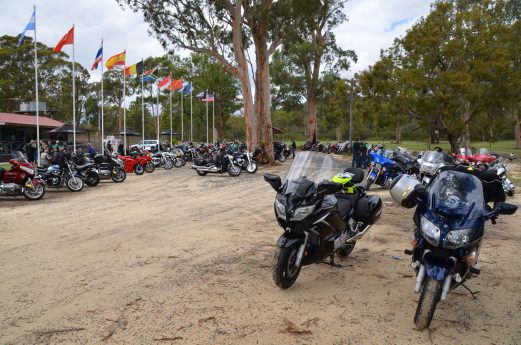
147, 144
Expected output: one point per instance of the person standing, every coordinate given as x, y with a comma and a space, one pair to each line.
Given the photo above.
356, 154
109, 147
31, 151
363, 154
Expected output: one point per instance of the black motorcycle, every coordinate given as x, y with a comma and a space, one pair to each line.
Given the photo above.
88, 172
223, 163
318, 219
109, 167
57, 176
245, 161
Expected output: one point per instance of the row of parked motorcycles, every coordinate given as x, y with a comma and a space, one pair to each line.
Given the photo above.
386, 165
324, 209
336, 148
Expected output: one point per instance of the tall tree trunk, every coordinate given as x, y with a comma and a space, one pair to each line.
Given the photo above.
311, 125
466, 133
517, 128
398, 132
453, 141
338, 133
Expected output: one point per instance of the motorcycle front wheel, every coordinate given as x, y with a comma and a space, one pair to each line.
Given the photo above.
168, 164
234, 170
429, 298
284, 271
368, 184
179, 162
119, 176
75, 184
138, 169
252, 167
150, 167
35, 193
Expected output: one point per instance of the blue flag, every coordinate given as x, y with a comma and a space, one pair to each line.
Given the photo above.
30, 26
187, 87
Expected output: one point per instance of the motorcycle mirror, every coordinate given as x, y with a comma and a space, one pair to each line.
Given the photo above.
505, 208
325, 188
273, 180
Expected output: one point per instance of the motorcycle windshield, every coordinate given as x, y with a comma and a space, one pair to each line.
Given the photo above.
308, 170
457, 195
465, 152
432, 157
483, 152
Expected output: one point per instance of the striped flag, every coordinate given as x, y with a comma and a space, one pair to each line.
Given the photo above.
115, 60
99, 57
209, 98
150, 74
30, 26
165, 83
135, 69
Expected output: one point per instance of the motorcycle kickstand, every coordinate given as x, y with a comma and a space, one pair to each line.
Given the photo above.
473, 293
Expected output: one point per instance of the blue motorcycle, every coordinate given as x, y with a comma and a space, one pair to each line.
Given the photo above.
450, 223
382, 170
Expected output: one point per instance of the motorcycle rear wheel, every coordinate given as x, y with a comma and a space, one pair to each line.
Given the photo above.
119, 177
138, 169
429, 298
92, 180
150, 167
201, 173
168, 164
35, 193
284, 272
234, 170
75, 184
179, 162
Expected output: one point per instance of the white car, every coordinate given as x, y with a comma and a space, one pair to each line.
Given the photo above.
148, 144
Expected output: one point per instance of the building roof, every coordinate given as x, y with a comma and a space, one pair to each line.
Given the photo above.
27, 120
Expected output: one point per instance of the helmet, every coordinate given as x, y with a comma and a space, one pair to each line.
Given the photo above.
223, 147
402, 188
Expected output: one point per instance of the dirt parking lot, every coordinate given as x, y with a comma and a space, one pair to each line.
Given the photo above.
176, 258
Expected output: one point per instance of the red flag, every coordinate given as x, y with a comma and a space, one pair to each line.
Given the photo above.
176, 84
165, 83
67, 39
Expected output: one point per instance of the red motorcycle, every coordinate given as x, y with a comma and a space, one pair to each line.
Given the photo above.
20, 180
482, 157
132, 164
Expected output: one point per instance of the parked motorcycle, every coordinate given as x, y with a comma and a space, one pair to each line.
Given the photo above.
450, 223
501, 170
21, 180
245, 161
57, 176
382, 170
430, 162
108, 166
223, 163
317, 218
87, 171
162, 159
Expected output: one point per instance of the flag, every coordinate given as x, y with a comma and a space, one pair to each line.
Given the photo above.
165, 83
187, 87
68, 38
118, 59
209, 98
30, 26
176, 84
150, 74
135, 69
99, 57
201, 95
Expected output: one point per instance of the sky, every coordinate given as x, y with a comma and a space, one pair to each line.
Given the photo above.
372, 26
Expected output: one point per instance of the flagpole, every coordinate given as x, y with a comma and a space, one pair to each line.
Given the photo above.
142, 106
207, 138
124, 111
73, 97
170, 113
102, 101
191, 122
36, 88
213, 117
182, 117
157, 107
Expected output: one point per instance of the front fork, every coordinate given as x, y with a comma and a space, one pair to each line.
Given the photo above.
287, 242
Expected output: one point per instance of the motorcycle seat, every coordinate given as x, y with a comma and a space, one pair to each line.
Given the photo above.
344, 205
87, 165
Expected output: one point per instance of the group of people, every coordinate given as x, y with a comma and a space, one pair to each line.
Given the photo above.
360, 154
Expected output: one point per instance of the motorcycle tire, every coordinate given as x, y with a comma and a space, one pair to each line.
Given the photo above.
92, 180
429, 298
74, 183
150, 167
179, 162
346, 249
252, 168
284, 272
368, 184
201, 173
119, 177
234, 170
168, 164
510, 193
282, 158
35, 193
139, 169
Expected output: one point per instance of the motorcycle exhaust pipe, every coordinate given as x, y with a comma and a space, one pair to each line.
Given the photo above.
419, 278
359, 235
446, 287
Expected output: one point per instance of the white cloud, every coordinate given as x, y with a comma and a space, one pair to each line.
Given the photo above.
372, 26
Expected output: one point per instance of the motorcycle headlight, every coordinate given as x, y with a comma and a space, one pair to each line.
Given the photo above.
457, 238
27, 170
302, 212
281, 209
431, 231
